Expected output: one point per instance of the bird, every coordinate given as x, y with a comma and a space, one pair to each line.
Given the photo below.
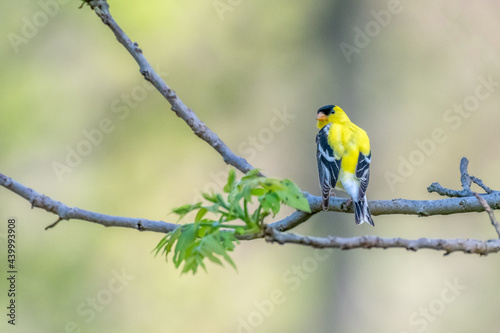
344, 157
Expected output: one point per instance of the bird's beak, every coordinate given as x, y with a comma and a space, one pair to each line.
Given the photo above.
321, 117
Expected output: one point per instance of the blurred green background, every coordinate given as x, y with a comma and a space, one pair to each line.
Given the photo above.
255, 72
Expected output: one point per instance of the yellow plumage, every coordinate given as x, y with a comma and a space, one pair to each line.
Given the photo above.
343, 159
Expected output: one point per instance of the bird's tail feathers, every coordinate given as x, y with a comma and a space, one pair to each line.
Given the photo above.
362, 212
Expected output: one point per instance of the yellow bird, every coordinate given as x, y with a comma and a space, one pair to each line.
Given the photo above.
344, 159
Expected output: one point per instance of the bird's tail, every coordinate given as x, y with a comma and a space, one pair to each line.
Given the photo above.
362, 212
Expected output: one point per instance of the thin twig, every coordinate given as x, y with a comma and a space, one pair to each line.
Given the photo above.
479, 183
465, 179
464, 175
50, 226
490, 212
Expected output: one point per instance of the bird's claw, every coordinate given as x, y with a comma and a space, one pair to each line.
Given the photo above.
346, 204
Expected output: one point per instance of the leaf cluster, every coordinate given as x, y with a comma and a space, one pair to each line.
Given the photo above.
241, 210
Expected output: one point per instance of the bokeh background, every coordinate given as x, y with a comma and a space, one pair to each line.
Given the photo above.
255, 72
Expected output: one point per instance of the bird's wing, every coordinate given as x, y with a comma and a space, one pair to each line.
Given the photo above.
328, 165
363, 173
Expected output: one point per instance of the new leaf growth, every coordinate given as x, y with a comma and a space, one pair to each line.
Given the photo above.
239, 211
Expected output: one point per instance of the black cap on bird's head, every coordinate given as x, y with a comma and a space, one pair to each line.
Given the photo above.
327, 109
324, 112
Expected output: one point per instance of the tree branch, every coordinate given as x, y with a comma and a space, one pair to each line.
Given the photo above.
490, 212
66, 213
422, 208
466, 181
368, 242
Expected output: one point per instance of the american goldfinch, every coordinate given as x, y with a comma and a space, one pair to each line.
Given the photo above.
344, 158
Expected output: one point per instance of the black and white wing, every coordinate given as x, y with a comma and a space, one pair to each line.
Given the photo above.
363, 173
361, 209
328, 166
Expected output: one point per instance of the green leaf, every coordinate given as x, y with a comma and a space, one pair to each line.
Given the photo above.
228, 239
258, 192
251, 174
184, 244
191, 264
230, 181
247, 193
292, 196
209, 197
220, 200
161, 245
213, 209
200, 214
172, 238
212, 244
185, 209
271, 184
271, 202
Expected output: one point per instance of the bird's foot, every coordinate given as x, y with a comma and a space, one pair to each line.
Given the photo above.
346, 204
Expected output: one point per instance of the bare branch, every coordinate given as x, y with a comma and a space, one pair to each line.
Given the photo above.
50, 226
479, 183
422, 208
65, 213
465, 179
368, 242
490, 212
464, 175
101, 8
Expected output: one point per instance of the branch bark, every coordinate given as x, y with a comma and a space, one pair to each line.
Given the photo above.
66, 213
368, 242
490, 212
422, 208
